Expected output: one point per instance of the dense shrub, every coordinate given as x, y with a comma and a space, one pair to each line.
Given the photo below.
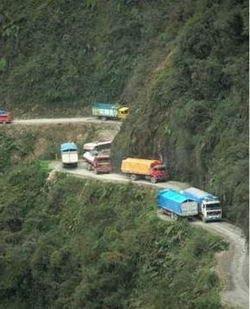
76, 244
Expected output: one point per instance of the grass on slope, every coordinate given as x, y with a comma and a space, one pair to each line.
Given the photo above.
83, 244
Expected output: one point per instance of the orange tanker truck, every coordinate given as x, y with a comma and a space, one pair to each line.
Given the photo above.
142, 168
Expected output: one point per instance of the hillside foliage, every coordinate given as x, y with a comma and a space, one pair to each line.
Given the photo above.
71, 243
181, 66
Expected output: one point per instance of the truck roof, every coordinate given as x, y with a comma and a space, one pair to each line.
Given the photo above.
93, 145
68, 147
142, 161
173, 195
200, 194
123, 109
104, 105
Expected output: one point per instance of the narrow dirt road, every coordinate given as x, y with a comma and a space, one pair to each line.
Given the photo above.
232, 265
62, 121
82, 172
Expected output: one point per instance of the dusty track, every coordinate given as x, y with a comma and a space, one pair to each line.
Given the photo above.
232, 265
62, 121
82, 172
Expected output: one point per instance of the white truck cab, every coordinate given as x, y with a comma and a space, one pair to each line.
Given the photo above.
208, 205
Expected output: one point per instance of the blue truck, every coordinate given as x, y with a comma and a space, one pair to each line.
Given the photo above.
209, 206
176, 204
109, 111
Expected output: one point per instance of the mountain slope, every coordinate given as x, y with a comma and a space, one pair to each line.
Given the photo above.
181, 66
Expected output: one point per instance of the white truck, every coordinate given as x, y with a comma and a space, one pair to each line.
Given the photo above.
69, 155
208, 205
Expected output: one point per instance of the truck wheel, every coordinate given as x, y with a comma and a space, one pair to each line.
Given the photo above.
174, 216
153, 180
89, 167
96, 172
133, 177
204, 219
104, 118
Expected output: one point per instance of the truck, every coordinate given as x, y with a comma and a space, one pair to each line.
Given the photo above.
176, 204
98, 146
209, 206
5, 117
137, 168
109, 111
98, 162
69, 154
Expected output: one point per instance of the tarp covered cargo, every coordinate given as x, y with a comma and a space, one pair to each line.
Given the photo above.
68, 147
177, 203
138, 166
199, 195
105, 109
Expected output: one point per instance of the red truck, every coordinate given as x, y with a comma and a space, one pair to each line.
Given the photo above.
5, 117
99, 162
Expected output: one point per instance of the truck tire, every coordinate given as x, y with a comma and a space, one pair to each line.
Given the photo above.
204, 219
103, 118
153, 180
133, 177
89, 167
174, 216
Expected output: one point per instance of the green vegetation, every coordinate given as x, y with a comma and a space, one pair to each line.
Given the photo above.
43, 142
180, 65
193, 111
71, 243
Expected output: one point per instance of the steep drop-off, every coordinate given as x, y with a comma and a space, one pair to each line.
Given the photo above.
180, 65
71, 243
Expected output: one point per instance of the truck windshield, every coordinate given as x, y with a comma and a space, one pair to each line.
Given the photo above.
160, 168
213, 206
103, 160
214, 213
69, 150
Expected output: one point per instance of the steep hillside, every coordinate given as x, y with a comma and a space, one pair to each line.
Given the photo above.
180, 65
71, 243
30, 143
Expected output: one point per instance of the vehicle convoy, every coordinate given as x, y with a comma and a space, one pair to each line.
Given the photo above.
109, 111
142, 168
69, 155
176, 204
5, 117
98, 162
208, 205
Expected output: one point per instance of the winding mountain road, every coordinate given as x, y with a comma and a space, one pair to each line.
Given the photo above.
232, 265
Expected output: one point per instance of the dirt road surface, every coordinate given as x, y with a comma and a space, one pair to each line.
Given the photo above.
232, 265
62, 121
82, 172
